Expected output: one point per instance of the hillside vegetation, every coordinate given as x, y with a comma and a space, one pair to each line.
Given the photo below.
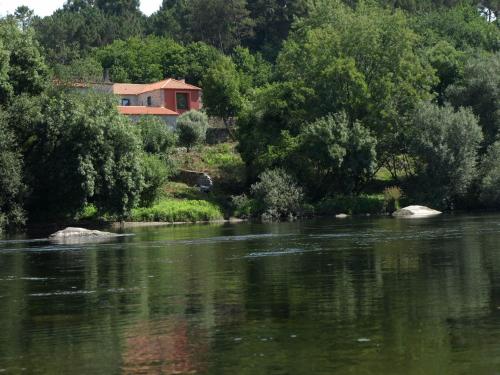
327, 102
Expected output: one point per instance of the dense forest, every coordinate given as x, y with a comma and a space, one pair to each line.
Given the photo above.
321, 96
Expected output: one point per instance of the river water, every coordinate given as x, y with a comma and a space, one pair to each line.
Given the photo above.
355, 296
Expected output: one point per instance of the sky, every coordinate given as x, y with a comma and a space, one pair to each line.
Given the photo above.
47, 7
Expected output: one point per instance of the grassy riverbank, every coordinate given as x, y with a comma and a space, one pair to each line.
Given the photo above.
177, 210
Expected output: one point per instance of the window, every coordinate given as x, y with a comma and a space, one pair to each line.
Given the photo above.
149, 101
125, 102
182, 100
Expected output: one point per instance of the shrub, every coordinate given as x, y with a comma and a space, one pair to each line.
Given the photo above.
490, 176
392, 195
192, 128
11, 185
336, 154
445, 144
82, 151
155, 174
243, 206
277, 195
157, 138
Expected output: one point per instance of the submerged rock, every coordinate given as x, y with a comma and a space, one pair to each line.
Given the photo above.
72, 234
411, 212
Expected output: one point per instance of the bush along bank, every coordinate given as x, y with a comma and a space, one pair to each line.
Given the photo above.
276, 196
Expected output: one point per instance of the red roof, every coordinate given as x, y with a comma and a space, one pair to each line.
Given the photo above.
136, 89
141, 110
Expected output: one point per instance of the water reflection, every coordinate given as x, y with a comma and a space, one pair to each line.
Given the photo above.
364, 296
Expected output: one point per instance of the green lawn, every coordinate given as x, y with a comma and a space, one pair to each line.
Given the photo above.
177, 210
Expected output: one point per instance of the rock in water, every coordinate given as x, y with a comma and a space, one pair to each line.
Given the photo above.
75, 235
412, 212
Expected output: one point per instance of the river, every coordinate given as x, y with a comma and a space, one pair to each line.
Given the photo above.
355, 296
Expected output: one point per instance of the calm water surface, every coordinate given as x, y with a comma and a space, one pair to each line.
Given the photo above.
361, 296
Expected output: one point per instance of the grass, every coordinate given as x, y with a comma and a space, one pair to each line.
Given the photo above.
210, 158
222, 162
177, 210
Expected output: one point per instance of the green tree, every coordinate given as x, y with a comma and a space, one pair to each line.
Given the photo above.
448, 63
276, 114
82, 151
155, 173
222, 23
462, 26
192, 128
222, 91
273, 20
171, 20
11, 178
444, 144
157, 138
24, 16
364, 61
336, 155
277, 195
254, 70
479, 89
71, 32
25, 67
118, 7
80, 70
144, 60
490, 177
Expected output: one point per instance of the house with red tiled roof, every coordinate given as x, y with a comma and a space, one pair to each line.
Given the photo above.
167, 99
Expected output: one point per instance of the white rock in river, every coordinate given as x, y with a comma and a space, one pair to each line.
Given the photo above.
74, 235
411, 212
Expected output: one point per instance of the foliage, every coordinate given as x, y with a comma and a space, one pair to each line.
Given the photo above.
335, 155
157, 137
175, 210
479, 89
222, 162
273, 21
277, 195
445, 144
11, 178
244, 207
254, 71
86, 69
22, 68
82, 151
364, 61
192, 128
352, 205
462, 26
448, 63
155, 172
222, 91
276, 114
490, 177
144, 60
392, 195
71, 32
221, 23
